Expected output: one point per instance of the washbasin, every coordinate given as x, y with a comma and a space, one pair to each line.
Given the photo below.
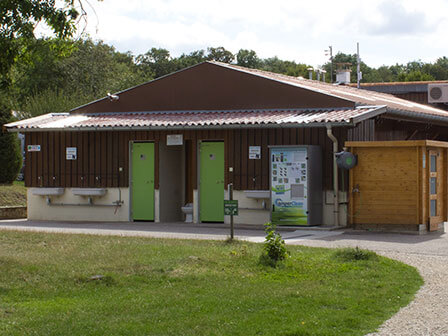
257, 193
47, 191
89, 191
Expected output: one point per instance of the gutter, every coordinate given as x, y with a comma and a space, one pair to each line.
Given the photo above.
335, 176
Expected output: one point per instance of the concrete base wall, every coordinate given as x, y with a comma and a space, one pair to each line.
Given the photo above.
156, 206
38, 209
195, 206
250, 210
328, 209
253, 211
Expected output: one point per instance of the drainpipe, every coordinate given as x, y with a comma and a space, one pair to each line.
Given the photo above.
335, 176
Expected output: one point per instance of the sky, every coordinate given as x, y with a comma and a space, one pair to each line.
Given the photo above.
388, 32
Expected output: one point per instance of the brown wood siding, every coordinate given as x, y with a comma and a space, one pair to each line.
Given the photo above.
363, 131
393, 129
101, 154
212, 87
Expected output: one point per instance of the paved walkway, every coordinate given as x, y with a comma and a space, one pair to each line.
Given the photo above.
426, 315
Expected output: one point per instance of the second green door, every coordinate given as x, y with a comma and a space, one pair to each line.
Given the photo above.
211, 179
143, 181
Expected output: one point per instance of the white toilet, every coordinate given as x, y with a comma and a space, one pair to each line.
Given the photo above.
188, 211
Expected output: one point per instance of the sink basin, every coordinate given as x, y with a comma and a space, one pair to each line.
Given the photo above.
47, 191
257, 193
89, 191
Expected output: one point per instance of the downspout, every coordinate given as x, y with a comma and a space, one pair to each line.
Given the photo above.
335, 176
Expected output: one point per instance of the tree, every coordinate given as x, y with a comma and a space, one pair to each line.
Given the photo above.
49, 80
220, 54
439, 70
156, 62
187, 60
414, 76
10, 153
248, 59
290, 68
19, 18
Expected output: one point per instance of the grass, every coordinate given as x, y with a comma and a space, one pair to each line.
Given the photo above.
13, 194
180, 287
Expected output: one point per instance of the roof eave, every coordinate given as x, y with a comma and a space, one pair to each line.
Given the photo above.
418, 116
182, 127
370, 114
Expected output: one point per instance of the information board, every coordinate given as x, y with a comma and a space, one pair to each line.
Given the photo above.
71, 153
289, 186
230, 207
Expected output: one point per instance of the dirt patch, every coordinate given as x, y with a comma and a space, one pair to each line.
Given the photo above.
12, 195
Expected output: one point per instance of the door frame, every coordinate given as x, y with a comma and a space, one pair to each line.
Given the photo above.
131, 201
198, 173
434, 221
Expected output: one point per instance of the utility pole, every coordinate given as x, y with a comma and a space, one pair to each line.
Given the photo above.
358, 67
329, 52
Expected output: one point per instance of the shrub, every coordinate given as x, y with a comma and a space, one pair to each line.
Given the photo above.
10, 153
353, 254
274, 250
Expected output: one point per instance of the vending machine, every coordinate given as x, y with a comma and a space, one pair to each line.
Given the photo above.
296, 185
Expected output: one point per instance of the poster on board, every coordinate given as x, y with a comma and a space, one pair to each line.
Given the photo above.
254, 152
289, 186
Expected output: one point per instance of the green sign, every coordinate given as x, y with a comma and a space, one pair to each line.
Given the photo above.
231, 208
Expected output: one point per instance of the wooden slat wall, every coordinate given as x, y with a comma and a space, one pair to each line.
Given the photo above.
387, 178
102, 153
254, 174
390, 129
364, 131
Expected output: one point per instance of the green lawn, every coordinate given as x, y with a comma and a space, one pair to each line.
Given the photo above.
13, 194
181, 287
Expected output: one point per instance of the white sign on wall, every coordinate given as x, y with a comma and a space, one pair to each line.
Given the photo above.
254, 152
33, 148
174, 140
70, 153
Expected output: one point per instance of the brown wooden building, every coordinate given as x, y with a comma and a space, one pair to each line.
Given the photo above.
83, 165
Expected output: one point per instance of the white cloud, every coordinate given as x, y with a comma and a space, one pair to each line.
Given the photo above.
388, 31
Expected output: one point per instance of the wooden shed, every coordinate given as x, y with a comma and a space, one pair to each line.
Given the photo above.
399, 185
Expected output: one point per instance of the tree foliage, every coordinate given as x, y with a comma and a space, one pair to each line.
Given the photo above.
19, 18
10, 153
58, 75
248, 59
412, 71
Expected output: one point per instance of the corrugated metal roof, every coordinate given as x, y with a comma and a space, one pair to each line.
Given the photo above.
196, 119
359, 96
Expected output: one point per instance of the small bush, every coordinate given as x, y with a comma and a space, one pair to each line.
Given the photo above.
353, 254
274, 250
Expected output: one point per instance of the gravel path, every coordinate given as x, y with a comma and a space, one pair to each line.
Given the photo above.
428, 314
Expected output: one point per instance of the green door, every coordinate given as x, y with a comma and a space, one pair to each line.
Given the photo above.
142, 181
211, 179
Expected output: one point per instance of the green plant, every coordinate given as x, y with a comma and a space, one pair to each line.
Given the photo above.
274, 249
10, 156
353, 254
64, 284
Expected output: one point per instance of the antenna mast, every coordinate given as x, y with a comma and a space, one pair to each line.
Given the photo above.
358, 67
